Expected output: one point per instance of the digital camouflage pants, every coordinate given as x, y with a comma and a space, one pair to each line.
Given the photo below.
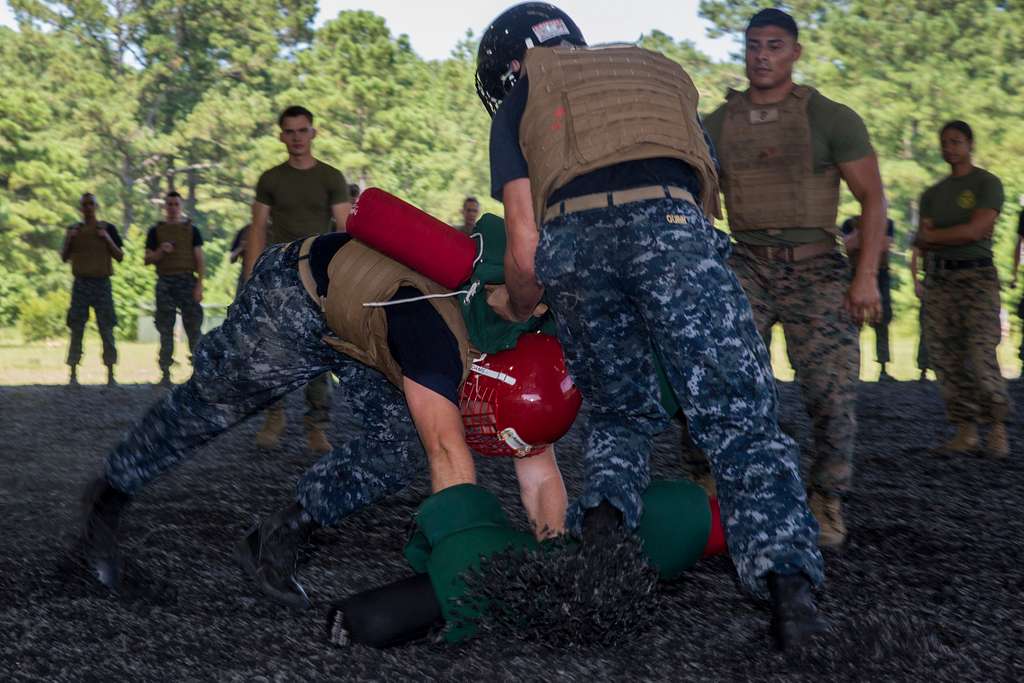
962, 332
271, 343
92, 292
175, 293
630, 281
823, 344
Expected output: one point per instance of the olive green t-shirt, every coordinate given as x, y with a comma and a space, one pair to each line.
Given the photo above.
838, 135
300, 200
952, 201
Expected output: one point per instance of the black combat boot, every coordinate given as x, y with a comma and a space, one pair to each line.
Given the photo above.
269, 554
111, 382
102, 506
73, 380
795, 618
601, 524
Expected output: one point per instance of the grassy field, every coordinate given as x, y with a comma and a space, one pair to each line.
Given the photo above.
43, 362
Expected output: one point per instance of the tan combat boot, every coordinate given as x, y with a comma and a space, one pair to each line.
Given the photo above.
828, 510
270, 435
965, 440
998, 443
318, 442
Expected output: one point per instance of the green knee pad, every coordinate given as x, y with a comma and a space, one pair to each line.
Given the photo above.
674, 526
461, 526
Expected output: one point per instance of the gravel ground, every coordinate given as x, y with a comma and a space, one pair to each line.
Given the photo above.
929, 585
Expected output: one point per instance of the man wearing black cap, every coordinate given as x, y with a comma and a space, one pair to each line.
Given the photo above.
783, 148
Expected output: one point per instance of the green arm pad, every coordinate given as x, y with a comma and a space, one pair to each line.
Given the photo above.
461, 525
417, 552
675, 525
458, 553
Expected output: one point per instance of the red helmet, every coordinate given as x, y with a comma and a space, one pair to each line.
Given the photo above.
520, 401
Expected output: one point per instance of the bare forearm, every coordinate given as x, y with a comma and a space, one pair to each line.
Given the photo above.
254, 246
543, 494
153, 256
65, 249
871, 235
200, 264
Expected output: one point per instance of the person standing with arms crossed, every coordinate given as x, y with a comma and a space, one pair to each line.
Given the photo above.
175, 247
298, 199
958, 217
91, 246
783, 149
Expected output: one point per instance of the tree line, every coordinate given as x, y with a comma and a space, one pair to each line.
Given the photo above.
128, 99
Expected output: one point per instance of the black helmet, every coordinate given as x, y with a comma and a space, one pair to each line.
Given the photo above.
517, 29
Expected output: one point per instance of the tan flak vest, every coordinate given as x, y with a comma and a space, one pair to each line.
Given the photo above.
183, 258
89, 254
359, 274
768, 166
589, 108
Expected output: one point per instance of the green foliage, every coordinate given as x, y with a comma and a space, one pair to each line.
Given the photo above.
128, 99
44, 317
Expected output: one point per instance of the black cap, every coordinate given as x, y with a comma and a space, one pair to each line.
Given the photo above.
775, 17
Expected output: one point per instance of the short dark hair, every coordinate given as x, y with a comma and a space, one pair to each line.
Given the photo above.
88, 195
774, 17
294, 110
173, 193
467, 200
960, 126
353, 191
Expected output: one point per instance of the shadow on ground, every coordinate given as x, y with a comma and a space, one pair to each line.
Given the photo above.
928, 587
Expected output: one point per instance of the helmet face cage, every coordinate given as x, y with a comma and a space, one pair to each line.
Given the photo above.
507, 39
476, 403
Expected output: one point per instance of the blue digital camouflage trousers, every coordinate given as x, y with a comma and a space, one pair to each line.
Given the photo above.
270, 344
92, 292
630, 281
174, 293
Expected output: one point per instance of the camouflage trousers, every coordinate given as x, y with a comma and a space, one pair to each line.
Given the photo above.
881, 328
92, 292
631, 281
823, 344
962, 331
271, 343
174, 293
923, 362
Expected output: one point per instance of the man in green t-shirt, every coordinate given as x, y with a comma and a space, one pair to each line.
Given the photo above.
299, 198
783, 149
962, 322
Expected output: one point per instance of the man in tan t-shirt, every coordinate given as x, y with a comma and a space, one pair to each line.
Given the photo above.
298, 198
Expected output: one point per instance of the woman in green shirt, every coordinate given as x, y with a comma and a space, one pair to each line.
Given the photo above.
962, 329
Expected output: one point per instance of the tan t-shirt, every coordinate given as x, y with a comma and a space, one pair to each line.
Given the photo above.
300, 200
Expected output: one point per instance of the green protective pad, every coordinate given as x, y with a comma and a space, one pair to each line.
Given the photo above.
460, 525
457, 508
675, 525
489, 332
458, 553
417, 552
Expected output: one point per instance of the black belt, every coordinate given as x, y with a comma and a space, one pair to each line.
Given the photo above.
946, 264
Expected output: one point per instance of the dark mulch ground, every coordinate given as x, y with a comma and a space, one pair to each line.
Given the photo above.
929, 586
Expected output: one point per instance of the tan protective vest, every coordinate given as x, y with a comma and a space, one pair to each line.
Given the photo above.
89, 254
359, 274
767, 159
589, 108
182, 259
